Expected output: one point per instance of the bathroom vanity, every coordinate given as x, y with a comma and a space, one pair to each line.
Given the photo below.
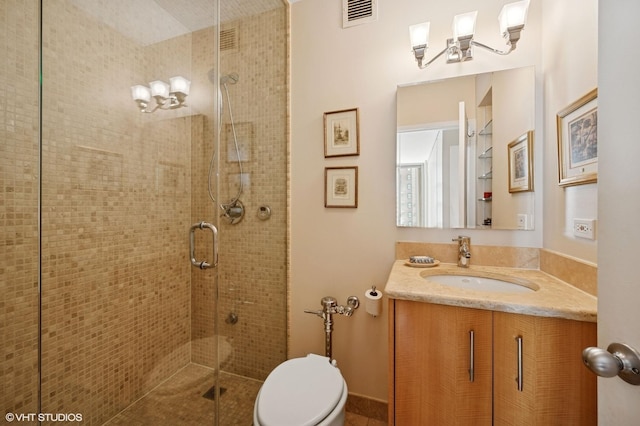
463, 356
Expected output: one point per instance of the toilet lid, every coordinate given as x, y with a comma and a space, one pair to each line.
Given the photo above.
300, 392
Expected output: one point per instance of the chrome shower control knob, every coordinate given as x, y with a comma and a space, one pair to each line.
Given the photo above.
618, 360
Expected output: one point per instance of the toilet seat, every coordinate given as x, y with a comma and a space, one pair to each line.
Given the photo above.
300, 392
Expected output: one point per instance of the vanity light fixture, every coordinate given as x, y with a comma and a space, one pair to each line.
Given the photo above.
512, 19
167, 96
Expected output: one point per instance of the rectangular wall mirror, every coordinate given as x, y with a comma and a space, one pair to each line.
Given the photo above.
452, 152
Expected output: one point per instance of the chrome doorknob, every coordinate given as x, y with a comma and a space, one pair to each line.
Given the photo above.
618, 360
601, 362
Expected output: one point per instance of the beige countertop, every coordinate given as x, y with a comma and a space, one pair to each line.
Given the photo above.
553, 297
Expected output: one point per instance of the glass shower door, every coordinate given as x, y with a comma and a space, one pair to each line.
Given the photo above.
118, 185
102, 315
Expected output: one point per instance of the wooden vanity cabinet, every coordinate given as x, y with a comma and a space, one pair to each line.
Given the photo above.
430, 362
557, 389
433, 385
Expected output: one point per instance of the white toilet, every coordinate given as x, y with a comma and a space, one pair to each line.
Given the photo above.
307, 391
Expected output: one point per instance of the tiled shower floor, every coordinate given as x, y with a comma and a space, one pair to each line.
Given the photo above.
179, 402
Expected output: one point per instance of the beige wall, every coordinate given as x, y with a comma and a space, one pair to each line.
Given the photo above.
342, 252
435, 103
513, 115
570, 40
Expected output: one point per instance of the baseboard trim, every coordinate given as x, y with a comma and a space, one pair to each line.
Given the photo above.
368, 407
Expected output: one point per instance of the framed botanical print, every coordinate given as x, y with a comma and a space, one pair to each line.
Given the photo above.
341, 133
341, 187
521, 163
578, 141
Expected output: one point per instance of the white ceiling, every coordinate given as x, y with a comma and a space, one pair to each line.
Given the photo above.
151, 21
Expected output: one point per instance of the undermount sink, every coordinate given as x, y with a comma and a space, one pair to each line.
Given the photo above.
470, 282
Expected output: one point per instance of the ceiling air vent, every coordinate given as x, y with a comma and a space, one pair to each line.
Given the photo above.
356, 12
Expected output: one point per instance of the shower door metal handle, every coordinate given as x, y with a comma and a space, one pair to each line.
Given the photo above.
192, 242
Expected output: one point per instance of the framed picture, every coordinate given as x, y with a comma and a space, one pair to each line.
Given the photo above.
341, 133
578, 141
521, 163
341, 187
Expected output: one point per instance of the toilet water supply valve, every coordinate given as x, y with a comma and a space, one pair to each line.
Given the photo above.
329, 307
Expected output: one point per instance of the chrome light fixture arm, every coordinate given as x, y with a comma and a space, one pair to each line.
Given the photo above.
511, 34
461, 50
172, 102
419, 52
491, 49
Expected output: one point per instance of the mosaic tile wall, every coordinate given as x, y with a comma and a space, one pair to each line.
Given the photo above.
253, 252
116, 212
122, 308
203, 283
18, 206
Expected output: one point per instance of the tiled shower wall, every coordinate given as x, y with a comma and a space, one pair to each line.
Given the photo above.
115, 213
121, 306
253, 252
18, 206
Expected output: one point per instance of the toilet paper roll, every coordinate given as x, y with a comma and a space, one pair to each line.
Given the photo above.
373, 302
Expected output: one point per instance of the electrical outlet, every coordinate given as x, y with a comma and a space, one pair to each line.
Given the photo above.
522, 221
584, 228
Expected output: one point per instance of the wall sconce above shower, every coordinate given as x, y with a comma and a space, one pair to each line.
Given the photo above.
167, 96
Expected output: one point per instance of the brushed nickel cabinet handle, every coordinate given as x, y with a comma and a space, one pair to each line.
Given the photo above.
520, 379
471, 355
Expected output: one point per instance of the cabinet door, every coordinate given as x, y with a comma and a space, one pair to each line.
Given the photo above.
432, 361
556, 387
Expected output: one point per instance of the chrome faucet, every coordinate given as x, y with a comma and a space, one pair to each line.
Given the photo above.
464, 250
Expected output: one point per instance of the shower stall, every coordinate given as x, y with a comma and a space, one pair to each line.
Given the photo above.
104, 319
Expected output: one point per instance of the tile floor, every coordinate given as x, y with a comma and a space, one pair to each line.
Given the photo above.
179, 401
